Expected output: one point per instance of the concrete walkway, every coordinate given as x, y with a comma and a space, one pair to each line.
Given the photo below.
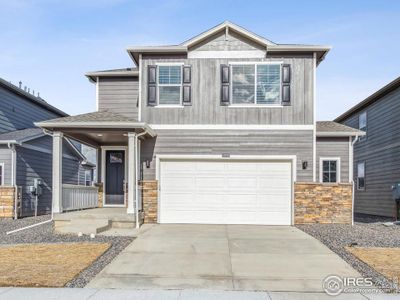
94, 294
223, 257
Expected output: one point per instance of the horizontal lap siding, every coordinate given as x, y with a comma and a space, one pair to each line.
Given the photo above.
206, 89
5, 158
18, 113
119, 95
235, 142
33, 164
380, 151
334, 147
30, 165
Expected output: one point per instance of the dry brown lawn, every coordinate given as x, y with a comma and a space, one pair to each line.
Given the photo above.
384, 260
46, 265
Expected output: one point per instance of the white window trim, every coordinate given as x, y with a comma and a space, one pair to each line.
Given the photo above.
255, 105
363, 138
172, 64
365, 175
338, 169
90, 174
2, 173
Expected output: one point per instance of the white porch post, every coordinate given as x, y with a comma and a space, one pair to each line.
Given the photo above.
57, 172
131, 172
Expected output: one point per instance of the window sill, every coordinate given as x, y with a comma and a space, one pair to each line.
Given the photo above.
254, 106
169, 106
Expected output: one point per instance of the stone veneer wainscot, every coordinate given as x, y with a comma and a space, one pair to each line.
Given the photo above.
322, 203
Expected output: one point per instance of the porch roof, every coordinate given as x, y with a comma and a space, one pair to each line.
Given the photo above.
97, 128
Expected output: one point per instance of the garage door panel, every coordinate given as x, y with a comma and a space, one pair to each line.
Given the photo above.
226, 192
209, 182
241, 182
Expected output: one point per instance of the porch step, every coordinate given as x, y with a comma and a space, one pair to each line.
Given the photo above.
86, 226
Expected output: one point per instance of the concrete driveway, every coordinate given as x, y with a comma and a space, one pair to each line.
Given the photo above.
226, 257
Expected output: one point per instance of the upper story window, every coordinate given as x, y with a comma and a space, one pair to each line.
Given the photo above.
361, 176
169, 85
256, 84
362, 123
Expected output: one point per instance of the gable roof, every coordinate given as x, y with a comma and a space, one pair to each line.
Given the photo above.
34, 99
391, 86
227, 25
333, 129
270, 46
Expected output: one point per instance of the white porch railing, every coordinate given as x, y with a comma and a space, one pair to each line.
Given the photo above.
79, 197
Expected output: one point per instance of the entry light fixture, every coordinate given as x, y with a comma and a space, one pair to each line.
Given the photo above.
147, 164
305, 165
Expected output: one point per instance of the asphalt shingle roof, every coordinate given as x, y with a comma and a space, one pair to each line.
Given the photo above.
330, 126
21, 135
98, 116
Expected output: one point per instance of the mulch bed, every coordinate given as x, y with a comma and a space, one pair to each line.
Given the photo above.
46, 265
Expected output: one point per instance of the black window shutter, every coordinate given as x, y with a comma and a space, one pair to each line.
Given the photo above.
187, 89
286, 79
152, 85
225, 91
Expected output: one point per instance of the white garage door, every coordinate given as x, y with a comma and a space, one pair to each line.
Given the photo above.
226, 192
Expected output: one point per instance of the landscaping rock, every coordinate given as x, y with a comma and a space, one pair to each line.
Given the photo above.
367, 231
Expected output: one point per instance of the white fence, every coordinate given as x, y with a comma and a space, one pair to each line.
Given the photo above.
79, 197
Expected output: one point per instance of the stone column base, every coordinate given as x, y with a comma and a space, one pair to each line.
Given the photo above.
150, 200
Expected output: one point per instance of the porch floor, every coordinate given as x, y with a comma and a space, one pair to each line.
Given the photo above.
95, 220
118, 214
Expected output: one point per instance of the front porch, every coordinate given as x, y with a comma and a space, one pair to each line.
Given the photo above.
95, 220
117, 194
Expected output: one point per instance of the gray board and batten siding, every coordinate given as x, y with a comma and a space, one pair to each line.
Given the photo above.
206, 107
380, 151
220, 42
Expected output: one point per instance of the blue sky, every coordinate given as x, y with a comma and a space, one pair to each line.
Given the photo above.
49, 45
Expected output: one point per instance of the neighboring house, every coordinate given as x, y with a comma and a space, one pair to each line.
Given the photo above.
219, 129
26, 151
376, 155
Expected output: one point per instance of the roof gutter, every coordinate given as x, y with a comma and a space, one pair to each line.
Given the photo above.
339, 134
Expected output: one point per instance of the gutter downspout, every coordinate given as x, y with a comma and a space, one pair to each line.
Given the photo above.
137, 178
13, 176
352, 179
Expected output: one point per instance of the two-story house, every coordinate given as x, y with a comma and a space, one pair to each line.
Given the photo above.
376, 164
219, 129
26, 154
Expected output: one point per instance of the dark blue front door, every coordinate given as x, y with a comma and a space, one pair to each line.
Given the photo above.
115, 175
